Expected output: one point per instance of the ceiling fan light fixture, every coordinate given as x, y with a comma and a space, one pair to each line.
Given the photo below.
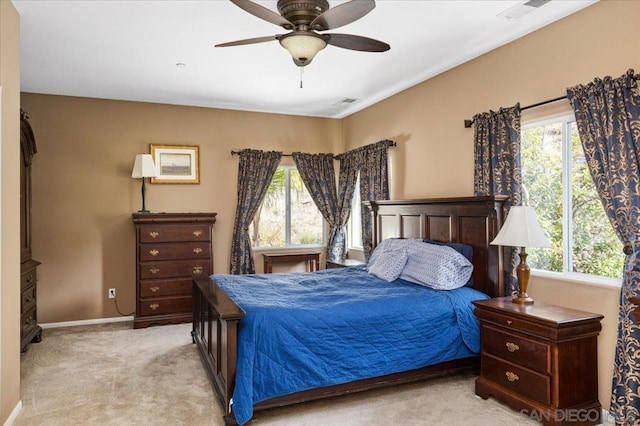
303, 47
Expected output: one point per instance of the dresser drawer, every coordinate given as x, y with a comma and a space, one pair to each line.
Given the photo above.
174, 287
173, 233
521, 380
174, 269
516, 349
27, 278
28, 321
167, 305
169, 251
28, 298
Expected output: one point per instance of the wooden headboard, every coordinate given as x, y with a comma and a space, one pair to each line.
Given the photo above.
469, 220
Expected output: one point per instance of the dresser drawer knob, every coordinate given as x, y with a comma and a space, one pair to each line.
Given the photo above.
154, 306
197, 270
197, 250
154, 234
512, 347
154, 270
511, 376
29, 298
509, 322
29, 278
197, 233
154, 252
154, 289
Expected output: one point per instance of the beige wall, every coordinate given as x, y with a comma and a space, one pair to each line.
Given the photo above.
435, 152
84, 196
83, 193
10, 211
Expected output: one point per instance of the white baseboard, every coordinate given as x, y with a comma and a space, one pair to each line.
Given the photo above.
14, 414
85, 322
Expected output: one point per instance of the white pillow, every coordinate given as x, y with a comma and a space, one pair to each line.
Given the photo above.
438, 267
388, 259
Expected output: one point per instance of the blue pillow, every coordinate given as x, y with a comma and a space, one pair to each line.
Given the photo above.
464, 249
436, 266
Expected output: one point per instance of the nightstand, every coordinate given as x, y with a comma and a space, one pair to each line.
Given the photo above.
540, 359
343, 263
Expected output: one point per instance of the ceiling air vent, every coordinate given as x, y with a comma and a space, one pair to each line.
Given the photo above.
519, 10
344, 102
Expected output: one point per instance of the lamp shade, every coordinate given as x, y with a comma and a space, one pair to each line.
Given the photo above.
303, 48
144, 167
521, 229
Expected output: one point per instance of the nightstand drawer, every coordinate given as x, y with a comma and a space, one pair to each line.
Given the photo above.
158, 288
173, 269
521, 380
172, 233
189, 250
168, 305
516, 349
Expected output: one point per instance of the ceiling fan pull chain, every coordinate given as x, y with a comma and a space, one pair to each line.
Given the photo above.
301, 74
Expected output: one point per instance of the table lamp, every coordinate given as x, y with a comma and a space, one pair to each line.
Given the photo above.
143, 168
522, 229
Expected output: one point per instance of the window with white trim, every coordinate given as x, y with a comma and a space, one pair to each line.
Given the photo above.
557, 182
287, 217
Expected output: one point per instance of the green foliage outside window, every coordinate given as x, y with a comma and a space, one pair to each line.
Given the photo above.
593, 246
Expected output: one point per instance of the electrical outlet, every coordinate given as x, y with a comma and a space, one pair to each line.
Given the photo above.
112, 293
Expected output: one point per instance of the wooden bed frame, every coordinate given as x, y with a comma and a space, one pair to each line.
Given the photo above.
469, 220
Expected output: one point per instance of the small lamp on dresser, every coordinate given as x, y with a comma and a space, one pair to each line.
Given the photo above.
143, 168
522, 229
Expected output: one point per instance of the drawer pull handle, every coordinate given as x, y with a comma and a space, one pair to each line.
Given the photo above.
29, 298
154, 234
197, 250
509, 322
511, 376
154, 289
154, 270
29, 278
154, 252
197, 233
197, 270
512, 347
154, 306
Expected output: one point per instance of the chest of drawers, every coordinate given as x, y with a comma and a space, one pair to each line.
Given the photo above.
540, 359
171, 248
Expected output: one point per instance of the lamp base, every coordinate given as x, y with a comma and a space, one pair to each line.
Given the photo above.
522, 299
144, 211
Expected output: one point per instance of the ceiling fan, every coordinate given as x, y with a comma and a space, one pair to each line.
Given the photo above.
305, 19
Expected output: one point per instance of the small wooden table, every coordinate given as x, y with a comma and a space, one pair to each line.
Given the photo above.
313, 260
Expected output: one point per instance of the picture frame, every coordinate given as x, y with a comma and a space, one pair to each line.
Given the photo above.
176, 163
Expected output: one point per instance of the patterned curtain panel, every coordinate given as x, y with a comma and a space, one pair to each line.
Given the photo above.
349, 165
318, 175
608, 119
255, 172
498, 169
374, 184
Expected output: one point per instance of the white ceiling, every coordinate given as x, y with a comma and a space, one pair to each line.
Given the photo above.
128, 50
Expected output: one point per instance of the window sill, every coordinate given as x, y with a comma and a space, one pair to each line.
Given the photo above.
591, 280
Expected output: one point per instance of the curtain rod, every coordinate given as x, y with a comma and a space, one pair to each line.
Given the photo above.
391, 144
469, 123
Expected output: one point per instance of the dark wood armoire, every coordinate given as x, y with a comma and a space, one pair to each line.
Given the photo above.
30, 332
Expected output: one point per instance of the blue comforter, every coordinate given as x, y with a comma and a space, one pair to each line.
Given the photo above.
308, 330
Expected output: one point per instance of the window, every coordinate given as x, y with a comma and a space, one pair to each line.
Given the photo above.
557, 182
288, 216
355, 220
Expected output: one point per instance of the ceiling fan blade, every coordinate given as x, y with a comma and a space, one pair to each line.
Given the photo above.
342, 14
263, 13
354, 42
248, 41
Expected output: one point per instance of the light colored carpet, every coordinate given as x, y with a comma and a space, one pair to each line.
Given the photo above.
114, 375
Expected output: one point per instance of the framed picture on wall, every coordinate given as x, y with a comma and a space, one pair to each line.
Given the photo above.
176, 163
